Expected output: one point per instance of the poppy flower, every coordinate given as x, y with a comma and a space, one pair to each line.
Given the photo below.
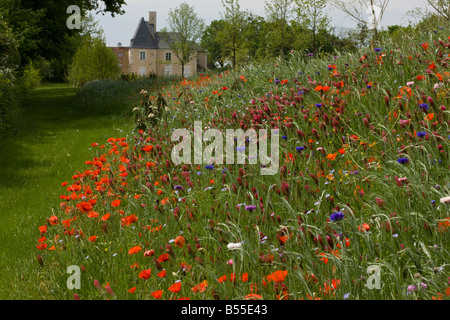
179, 241
157, 294
200, 287
147, 148
176, 287
132, 290
134, 250
116, 203
93, 238
145, 274
278, 276
162, 274
253, 296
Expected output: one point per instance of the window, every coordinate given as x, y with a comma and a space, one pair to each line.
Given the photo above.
168, 56
119, 54
142, 55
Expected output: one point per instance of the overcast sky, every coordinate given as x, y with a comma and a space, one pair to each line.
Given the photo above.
121, 28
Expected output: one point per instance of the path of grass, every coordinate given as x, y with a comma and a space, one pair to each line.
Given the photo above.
54, 143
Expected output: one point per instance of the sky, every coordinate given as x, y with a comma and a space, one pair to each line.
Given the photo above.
122, 27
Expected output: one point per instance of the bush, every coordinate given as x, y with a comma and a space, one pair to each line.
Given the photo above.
93, 61
10, 109
31, 76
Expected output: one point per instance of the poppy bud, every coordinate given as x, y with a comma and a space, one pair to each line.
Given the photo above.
39, 259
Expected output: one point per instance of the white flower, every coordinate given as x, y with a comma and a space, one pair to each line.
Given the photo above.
234, 246
445, 199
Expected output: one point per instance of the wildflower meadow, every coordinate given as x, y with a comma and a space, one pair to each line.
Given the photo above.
357, 210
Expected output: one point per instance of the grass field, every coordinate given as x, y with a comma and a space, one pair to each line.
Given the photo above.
359, 208
54, 142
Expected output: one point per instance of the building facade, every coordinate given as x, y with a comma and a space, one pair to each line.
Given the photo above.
150, 54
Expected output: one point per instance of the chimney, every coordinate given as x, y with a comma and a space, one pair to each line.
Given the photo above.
152, 19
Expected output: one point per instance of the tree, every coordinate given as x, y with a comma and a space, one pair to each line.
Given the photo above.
93, 61
442, 7
232, 37
186, 29
278, 13
210, 43
312, 17
41, 31
368, 12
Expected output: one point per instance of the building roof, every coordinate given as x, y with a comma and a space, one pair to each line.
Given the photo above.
146, 37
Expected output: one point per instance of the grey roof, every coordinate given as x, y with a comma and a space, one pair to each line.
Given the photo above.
146, 37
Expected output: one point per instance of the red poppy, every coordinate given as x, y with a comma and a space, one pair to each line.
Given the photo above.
176, 287
134, 250
200, 287
157, 294
278, 276
115, 203
145, 274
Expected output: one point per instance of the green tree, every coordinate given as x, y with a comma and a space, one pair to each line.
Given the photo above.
93, 61
312, 16
185, 30
232, 36
442, 8
210, 43
278, 13
40, 27
10, 89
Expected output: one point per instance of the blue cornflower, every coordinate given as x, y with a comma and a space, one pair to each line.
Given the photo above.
277, 81
318, 105
209, 167
336, 216
378, 49
178, 187
284, 137
424, 106
298, 149
403, 160
421, 134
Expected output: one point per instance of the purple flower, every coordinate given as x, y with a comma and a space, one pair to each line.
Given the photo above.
403, 160
336, 216
178, 187
250, 208
424, 106
421, 134
209, 167
411, 288
298, 149
378, 49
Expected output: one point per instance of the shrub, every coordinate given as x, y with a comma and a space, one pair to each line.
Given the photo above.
93, 61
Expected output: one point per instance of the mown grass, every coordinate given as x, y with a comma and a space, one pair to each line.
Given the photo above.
54, 141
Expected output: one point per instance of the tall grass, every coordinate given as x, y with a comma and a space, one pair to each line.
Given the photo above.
343, 149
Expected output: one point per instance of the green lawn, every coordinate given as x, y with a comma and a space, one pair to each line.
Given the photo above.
53, 144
